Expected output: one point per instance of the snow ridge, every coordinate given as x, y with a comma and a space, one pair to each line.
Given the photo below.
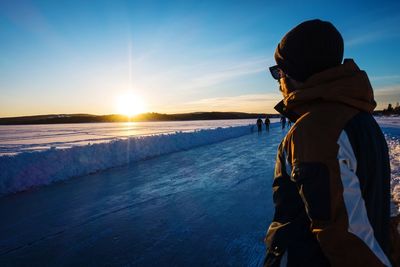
30, 169
394, 154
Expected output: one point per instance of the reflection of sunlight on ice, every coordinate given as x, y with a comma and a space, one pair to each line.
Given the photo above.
128, 129
394, 149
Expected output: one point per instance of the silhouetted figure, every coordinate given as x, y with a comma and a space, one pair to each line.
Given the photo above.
283, 122
267, 122
259, 124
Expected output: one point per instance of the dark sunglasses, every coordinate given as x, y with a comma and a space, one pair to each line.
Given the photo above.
277, 72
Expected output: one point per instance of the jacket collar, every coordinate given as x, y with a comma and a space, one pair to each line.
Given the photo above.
290, 114
345, 84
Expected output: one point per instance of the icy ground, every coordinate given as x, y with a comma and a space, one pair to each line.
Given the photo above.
205, 206
31, 169
15, 139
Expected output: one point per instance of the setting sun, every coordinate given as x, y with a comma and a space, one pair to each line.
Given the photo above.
130, 104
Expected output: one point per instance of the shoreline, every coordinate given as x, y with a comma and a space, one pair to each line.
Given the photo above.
146, 117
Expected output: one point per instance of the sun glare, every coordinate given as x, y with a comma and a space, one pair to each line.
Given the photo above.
129, 104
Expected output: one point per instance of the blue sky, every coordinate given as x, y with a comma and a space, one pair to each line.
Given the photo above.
177, 56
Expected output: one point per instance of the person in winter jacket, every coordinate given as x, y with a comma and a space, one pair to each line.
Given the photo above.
331, 185
283, 122
259, 124
267, 122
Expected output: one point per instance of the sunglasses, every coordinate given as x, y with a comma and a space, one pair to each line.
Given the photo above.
276, 72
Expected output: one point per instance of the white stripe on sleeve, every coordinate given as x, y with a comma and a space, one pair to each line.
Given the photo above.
359, 224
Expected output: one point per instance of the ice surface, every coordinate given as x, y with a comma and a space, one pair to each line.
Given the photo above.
16, 139
28, 169
208, 205
388, 121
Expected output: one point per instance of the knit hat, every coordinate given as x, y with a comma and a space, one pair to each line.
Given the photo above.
309, 48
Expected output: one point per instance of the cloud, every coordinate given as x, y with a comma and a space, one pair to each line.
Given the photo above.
25, 15
264, 103
226, 72
372, 31
255, 103
364, 38
210, 72
384, 78
386, 95
194, 81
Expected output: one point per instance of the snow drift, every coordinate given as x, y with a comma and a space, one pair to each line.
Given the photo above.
394, 153
29, 169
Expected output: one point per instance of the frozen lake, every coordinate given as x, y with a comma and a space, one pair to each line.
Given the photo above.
24, 138
209, 205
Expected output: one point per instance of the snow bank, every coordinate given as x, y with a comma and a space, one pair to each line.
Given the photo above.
394, 152
388, 121
29, 169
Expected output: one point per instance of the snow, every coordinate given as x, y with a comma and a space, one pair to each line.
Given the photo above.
388, 121
394, 146
391, 128
15, 139
24, 170
207, 204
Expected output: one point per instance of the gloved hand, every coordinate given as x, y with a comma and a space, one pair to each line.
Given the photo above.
272, 258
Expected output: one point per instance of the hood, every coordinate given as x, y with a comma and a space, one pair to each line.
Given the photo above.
345, 84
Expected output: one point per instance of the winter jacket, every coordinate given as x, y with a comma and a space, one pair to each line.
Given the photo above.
331, 185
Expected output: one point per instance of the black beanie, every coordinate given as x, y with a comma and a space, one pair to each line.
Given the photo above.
309, 48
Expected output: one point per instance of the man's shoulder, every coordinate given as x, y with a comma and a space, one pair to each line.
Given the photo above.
315, 134
362, 120
363, 128
324, 119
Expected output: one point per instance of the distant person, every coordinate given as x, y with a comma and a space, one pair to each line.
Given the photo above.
283, 122
267, 122
332, 175
289, 123
259, 124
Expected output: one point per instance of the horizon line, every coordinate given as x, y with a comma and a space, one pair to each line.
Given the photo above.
132, 116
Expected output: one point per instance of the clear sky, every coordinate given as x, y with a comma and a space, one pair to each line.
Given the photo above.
177, 56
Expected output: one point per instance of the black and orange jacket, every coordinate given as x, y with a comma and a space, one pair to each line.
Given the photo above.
331, 184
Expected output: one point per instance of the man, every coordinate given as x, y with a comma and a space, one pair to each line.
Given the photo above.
283, 122
267, 122
259, 124
332, 176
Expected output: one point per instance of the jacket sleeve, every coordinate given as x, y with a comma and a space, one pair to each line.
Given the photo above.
290, 225
339, 244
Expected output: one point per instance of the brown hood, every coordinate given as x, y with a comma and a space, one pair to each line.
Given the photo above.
345, 84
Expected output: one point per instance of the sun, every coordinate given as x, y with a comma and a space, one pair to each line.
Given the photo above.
129, 104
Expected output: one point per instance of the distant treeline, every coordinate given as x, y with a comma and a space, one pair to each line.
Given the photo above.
88, 118
390, 110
